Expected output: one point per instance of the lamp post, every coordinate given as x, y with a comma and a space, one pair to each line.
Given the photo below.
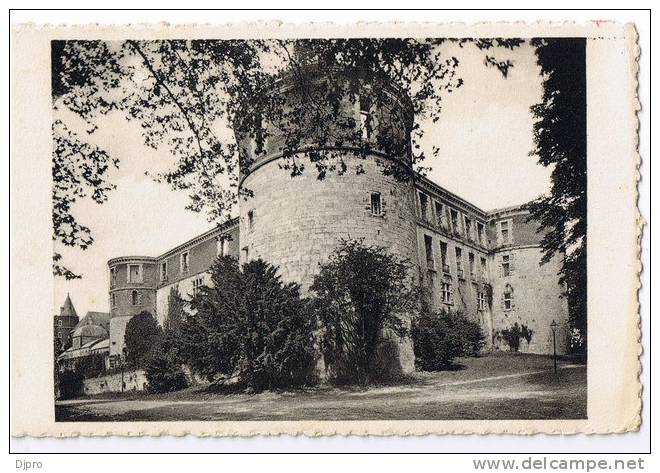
553, 326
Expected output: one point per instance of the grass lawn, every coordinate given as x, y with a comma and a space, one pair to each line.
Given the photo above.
500, 386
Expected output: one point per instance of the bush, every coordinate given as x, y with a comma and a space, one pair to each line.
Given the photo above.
440, 337
91, 366
163, 369
70, 384
250, 325
361, 296
513, 335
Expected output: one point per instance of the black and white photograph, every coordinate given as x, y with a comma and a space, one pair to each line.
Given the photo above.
351, 230
324, 229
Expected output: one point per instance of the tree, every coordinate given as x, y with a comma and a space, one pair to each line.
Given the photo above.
251, 325
188, 97
560, 138
142, 335
362, 296
164, 365
175, 312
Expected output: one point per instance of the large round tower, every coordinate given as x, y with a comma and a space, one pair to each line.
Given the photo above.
295, 222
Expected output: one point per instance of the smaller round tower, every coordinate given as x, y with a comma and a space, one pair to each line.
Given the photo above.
132, 289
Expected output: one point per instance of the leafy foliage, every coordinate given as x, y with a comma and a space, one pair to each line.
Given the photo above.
91, 366
163, 367
70, 383
362, 295
251, 325
515, 333
560, 137
189, 96
142, 335
80, 170
175, 312
440, 337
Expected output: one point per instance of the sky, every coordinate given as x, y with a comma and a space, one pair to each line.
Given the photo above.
484, 136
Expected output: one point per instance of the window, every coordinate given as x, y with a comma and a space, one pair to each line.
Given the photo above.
163, 271
428, 245
424, 206
59, 323
484, 269
113, 276
473, 273
366, 125
223, 245
184, 262
506, 265
446, 293
258, 141
113, 300
443, 257
197, 284
439, 216
454, 221
507, 297
480, 232
245, 253
468, 228
459, 262
250, 219
481, 300
135, 298
376, 204
505, 232
134, 273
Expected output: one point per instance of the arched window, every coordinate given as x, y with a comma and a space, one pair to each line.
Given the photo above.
507, 298
135, 298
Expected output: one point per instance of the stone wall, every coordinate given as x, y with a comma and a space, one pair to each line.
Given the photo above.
117, 333
536, 300
134, 380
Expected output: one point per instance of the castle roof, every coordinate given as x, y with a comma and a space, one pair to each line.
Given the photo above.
101, 319
89, 331
67, 310
99, 345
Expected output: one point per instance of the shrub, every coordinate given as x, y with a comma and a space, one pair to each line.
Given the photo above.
91, 366
251, 325
361, 296
163, 368
142, 335
440, 337
70, 383
513, 335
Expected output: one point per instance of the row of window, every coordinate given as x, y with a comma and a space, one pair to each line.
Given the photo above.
458, 252
450, 219
135, 272
447, 295
368, 124
135, 298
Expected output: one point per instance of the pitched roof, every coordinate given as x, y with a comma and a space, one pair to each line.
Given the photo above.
67, 310
95, 318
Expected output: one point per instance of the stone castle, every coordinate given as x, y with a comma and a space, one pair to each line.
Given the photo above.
483, 263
